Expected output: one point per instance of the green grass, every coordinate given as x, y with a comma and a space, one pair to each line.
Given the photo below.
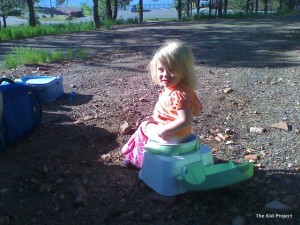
26, 56
25, 31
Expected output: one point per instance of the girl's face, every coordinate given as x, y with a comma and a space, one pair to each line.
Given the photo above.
166, 78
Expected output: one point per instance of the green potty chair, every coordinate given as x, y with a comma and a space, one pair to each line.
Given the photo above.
199, 177
172, 169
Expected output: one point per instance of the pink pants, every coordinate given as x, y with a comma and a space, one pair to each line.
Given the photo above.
133, 150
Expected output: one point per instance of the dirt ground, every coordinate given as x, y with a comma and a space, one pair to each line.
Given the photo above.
70, 171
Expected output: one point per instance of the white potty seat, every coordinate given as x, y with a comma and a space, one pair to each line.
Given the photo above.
192, 144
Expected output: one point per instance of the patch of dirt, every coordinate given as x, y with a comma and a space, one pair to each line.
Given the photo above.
70, 171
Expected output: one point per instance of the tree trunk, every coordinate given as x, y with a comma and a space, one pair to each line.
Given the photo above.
225, 6
115, 10
247, 6
220, 8
4, 21
108, 10
32, 19
256, 6
51, 9
179, 11
266, 6
141, 11
96, 15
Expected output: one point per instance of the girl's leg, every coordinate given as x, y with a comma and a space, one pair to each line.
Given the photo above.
151, 133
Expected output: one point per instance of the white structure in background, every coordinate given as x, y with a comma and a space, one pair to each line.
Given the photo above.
153, 4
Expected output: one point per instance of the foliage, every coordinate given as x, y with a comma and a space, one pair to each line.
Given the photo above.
102, 9
87, 10
8, 8
59, 2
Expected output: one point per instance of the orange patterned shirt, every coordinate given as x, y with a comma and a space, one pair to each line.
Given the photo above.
170, 101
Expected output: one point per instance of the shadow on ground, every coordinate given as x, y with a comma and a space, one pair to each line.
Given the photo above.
259, 42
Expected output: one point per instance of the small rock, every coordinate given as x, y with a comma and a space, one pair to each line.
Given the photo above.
138, 122
276, 205
259, 166
218, 139
143, 100
59, 181
4, 191
227, 90
216, 129
229, 143
289, 199
238, 220
147, 217
281, 125
251, 157
42, 69
234, 209
162, 199
125, 127
45, 169
224, 137
229, 132
257, 130
129, 215
4, 220
45, 188
80, 194
88, 117
249, 151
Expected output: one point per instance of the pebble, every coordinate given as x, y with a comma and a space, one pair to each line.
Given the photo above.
289, 199
234, 209
147, 217
4, 220
129, 215
59, 181
162, 199
45, 188
251, 157
227, 90
80, 194
238, 220
257, 130
4, 191
276, 205
125, 127
281, 125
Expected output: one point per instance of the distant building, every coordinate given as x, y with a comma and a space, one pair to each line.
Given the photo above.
153, 4
74, 11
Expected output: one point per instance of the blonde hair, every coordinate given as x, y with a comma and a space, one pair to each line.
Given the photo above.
177, 58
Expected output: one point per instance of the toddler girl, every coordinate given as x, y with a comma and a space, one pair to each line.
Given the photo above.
172, 67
